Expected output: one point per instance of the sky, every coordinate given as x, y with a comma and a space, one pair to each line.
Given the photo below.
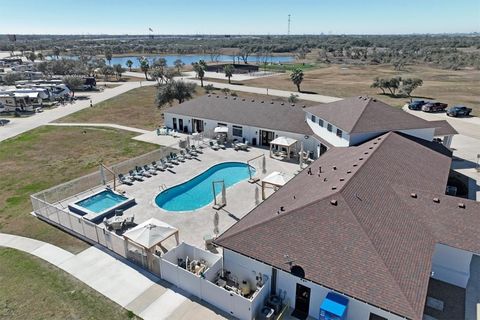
239, 17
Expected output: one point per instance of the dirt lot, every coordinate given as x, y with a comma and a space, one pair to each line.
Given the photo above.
453, 87
48, 156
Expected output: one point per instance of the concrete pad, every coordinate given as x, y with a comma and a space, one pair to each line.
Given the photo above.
144, 300
109, 276
165, 306
52, 254
193, 309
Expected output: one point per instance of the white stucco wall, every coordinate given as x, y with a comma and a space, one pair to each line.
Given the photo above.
322, 132
248, 132
451, 265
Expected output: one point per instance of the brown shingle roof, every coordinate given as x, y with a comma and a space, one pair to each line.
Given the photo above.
443, 128
376, 243
364, 114
266, 114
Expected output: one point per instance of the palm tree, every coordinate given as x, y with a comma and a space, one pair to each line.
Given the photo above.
108, 55
229, 69
199, 68
297, 77
129, 64
145, 66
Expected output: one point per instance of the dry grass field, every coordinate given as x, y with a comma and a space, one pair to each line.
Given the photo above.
47, 156
452, 87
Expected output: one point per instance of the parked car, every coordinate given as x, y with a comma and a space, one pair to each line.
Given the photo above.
434, 107
4, 122
416, 105
457, 111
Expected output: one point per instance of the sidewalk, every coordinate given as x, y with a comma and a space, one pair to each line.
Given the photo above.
104, 125
119, 280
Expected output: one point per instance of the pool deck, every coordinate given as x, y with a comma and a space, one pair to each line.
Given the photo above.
194, 225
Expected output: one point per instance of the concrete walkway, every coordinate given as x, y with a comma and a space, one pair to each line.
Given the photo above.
104, 125
21, 125
119, 280
189, 77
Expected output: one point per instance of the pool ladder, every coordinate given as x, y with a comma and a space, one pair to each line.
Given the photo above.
163, 186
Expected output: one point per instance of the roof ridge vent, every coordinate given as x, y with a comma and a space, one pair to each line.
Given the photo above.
342, 179
334, 168
461, 205
253, 100
354, 164
349, 171
226, 97
262, 101
334, 187
234, 98
283, 103
333, 202
413, 195
360, 158
243, 99
293, 104
209, 95
436, 200
218, 97
271, 102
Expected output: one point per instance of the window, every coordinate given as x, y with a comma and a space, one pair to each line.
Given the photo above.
237, 131
314, 119
219, 124
374, 316
329, 127
320, 122
339, 133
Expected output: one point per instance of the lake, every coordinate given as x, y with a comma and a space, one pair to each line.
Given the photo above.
188, 59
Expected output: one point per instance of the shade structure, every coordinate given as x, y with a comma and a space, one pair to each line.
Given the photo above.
283, 142
277, 179
150, 233
221, 129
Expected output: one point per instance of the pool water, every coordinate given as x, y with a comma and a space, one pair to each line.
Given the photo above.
197, 192
102, 201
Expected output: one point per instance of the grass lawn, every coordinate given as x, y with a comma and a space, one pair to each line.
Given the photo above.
47, 156
34, 289
135, 108
452, 87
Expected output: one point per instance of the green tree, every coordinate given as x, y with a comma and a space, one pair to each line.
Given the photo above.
73, 83
118, 69
174, 90
40, 56
32, 56
409, 85
229, 69
293, 98
178, 64
129, 64
11, 77
56, 51
297, 77
145, 66
107, 71
108, 55
199, 69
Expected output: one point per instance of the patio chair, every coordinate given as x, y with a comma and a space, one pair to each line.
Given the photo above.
157, 166
174, 158
220, 145
142, 172
135, 176
214, 146
196, 150
185, 155
172, 161
193, 153
125, 180
179, 157
166, 163
162, 165
129, 221
150, 169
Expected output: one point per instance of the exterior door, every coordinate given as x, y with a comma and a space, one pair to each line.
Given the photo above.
266, 137
175, 127
180, 125
302, 301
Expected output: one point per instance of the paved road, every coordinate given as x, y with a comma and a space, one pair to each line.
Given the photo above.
189, 77
20, 125
119, 280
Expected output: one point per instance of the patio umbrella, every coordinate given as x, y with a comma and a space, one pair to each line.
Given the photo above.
257, 195
300, 158
188, 141
216, 221
102, 176
224, 194
264, 165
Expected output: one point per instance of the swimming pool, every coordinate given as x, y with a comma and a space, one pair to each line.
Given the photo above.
197, 192
100, 204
